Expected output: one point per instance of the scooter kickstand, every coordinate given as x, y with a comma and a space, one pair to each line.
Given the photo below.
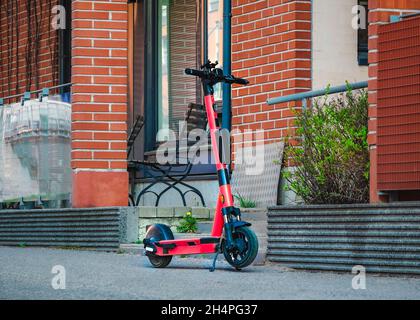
213, 266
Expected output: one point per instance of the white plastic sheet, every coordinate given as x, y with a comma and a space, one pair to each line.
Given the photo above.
35, 150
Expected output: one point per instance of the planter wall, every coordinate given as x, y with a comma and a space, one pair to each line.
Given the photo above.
382, 238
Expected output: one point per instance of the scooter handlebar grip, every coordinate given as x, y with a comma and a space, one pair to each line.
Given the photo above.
241, 81
193, 72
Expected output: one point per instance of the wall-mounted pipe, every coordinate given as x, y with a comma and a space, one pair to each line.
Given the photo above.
318, 93
227, 64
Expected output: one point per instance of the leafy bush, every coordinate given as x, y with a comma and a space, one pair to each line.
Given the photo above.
188, 224
330, 151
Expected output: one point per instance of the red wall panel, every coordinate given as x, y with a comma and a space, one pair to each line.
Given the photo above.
398, 106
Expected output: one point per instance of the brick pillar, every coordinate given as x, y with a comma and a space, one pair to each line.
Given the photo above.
99, 96
379, 13
271, 47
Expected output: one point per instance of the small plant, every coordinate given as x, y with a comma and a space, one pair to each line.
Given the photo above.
244, 202
188, 224
138, 241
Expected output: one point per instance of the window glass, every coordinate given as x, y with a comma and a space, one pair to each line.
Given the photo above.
362, 34
175, 38
163, 65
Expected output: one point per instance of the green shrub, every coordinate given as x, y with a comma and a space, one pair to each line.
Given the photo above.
188, 224
330, 152
244, 202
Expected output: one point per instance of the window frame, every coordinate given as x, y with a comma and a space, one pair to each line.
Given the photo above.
64, 51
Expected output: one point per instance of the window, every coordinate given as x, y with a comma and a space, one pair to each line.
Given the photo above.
173, 39
215, 37
362, 35
165, 37
172, 33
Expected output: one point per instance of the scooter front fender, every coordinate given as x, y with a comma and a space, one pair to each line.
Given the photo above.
240, 224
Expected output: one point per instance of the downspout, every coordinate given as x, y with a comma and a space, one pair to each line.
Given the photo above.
227, 64
202, 25
205, 32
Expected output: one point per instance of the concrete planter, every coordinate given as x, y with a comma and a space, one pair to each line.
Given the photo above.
382, 238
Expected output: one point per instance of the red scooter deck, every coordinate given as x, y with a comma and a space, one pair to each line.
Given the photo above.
187, 246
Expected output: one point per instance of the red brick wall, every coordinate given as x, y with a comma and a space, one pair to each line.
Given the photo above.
271, 47
27, 65
99, 96
379, 13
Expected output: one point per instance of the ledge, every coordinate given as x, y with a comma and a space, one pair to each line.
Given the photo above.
172, 212
300, 207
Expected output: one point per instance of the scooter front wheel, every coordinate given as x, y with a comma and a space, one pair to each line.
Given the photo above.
245, 251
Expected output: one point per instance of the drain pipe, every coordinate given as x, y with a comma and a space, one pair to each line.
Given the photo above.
227, 64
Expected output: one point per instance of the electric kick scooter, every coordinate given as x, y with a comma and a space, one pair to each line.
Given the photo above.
230, 235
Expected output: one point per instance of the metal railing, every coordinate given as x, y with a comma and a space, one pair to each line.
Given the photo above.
304, 96
27, 95
411, 15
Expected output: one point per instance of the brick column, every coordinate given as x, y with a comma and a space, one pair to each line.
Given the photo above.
379, 13
99, 97
271, 47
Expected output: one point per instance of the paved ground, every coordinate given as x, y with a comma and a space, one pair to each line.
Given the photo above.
25, 273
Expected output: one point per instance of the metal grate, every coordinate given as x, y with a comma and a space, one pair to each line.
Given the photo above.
261, 183
98, 228
382, 238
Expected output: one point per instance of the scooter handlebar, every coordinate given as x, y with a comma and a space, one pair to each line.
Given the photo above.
218, 77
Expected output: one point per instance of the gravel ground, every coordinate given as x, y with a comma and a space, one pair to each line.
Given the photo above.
26, 273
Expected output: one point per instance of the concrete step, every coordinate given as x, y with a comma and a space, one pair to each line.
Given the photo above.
204, 226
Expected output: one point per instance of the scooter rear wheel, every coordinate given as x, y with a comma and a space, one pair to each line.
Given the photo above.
246, 251
160, 262
155, 233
